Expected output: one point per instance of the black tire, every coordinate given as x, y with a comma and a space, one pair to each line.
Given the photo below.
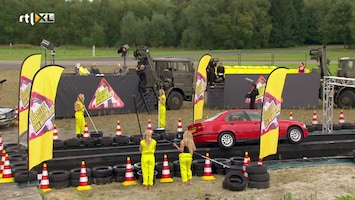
60, 184
15, 157
336, 126
234, 181
72, 142
96, 134
198, 164
75, 182
259, 177
219, 168
346, 99
58, 144
237, 160
198, 172
174, 101
18, 164
226, 140
102, 181
122, 139
18, 169
106, 141
256, 169
156, 136
101, 171
75, 173
318, 127
89, 142
294, 134
135, 138
58, 176
25, 175
258, 185
348, 126
310, 128
177, 168
236, 168
168, 136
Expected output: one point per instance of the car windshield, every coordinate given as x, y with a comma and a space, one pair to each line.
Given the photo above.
214, 117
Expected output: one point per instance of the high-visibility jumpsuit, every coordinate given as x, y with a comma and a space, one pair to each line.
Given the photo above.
79, 118
185, 160
162, 112
148, 162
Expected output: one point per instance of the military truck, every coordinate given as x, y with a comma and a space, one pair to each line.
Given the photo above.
344, 97
175, 75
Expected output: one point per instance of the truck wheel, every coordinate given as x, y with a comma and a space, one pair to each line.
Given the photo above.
174, 101
346, 99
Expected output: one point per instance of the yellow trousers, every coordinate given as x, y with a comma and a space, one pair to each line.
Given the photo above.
148, 165
185, 160
79, 123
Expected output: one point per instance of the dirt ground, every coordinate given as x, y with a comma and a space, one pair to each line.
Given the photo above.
309, 183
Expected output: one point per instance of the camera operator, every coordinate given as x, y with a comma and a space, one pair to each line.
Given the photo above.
142, 78
210, 72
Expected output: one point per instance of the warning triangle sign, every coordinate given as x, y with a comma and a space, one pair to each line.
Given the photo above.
105, 97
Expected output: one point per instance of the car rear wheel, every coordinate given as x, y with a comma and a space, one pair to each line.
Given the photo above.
294, 134
226, 140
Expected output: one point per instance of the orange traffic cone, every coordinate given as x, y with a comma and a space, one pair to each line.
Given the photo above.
291, 116
165, 175
44, 185
341, 117
149, 127
55, 132
2, 162
86, 131
118, 128
260, 161
129, 178
207, 171
7, 173
314, 120
16, 112
245, 163
83, 180
179, 128
1, 144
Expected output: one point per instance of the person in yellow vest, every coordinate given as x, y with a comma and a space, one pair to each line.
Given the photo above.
83, 71
162, 109
187, 148
79, 115
147, 148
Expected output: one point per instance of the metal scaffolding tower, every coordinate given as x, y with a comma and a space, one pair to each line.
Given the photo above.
328, 98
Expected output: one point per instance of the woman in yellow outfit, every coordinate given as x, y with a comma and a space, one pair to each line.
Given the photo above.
147, 148
187, 147
162, 109
79, 115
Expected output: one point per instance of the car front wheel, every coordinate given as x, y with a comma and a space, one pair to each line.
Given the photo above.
294, 134
226, 140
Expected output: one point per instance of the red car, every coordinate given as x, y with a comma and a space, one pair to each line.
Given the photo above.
228, 127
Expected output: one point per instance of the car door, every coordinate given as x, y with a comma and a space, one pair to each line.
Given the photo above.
238, 121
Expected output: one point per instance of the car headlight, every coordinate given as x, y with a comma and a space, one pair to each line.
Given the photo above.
2, 116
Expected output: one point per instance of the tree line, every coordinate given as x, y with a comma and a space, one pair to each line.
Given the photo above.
195, 24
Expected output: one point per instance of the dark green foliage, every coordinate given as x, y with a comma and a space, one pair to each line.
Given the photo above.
198, 24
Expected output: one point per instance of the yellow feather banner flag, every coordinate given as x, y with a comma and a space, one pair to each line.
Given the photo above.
271, 112
41, 114
200, 87
28, 69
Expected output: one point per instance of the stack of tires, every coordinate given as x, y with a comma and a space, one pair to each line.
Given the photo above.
198, 167
59, 179
102, 175
75, 176
119, 172
258, 176
236, 164
221, 165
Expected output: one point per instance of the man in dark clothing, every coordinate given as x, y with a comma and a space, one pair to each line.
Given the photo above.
142, 78
210, 73
252, 95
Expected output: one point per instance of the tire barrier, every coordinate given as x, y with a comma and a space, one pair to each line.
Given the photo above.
119, 172
122, 139
102, 175
198, 166
105, 141
258, 177
89, 142
218, 168
177, 168
140, 177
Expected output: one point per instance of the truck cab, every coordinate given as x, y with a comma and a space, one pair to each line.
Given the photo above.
175, 75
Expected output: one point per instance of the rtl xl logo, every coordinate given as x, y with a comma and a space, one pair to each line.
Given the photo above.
32, 18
